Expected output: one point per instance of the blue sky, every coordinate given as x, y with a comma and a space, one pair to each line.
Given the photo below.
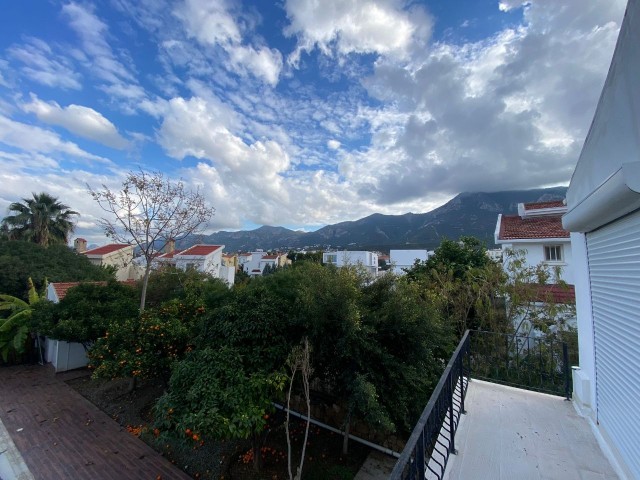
298, 113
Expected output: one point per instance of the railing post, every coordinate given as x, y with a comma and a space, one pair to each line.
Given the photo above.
462, 409
452, 428
567, 375
420, 464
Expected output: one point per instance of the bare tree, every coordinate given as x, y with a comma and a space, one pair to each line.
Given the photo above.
300, 360
149, 211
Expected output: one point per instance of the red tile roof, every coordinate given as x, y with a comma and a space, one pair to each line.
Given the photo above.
61, 288
514, 227
556, 293
541, 205
270, 257
200, 250
112, 247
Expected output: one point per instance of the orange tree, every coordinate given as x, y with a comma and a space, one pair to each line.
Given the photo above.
211, 393
143, 347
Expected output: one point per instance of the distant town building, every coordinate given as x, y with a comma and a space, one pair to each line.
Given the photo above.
369, 260
404, 259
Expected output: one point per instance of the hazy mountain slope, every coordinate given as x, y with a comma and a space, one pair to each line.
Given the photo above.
466, 214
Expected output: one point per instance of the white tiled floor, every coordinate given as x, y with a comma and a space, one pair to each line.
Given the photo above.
510, 434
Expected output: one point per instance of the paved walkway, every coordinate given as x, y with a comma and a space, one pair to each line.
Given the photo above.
61, 435
510, 433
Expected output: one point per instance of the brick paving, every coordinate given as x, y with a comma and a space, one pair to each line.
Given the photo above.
61, 435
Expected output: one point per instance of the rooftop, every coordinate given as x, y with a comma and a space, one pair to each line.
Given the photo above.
541, 205
514, 227
511, 433
200, 250
61, 288
105, 249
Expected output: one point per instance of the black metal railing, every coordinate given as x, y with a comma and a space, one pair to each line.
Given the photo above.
427, 451
534, 363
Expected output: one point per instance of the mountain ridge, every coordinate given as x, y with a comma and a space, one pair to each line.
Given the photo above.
468, 213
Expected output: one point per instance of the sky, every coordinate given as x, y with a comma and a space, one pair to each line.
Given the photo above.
298, 113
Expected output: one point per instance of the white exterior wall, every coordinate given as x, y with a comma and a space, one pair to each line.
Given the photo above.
63, 355
604, 187
584, 376
535, 255
122, 259
253, 262
227, 274
402, 259
203, 263
369, 260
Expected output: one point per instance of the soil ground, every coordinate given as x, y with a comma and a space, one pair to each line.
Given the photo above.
229, 459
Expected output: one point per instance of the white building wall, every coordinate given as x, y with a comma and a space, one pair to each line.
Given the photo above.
402, 259
369, 260
535, 255
583, 377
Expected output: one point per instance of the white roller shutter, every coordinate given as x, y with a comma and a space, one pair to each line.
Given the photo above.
614, 265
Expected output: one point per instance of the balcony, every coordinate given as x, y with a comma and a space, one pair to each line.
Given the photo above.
477, 429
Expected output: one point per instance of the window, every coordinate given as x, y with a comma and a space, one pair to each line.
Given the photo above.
332, 258
553, 253
191, 266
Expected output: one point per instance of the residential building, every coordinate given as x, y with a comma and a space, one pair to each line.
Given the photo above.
495, 254
537, 232
203, 258
116, 255
254, 263
404, 259
603, 217
369, 260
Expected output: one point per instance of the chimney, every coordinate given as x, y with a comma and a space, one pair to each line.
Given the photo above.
170, 246
80, 245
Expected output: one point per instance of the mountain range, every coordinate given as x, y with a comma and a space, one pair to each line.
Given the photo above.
473, 214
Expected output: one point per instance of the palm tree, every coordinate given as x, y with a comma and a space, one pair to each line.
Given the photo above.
41, 219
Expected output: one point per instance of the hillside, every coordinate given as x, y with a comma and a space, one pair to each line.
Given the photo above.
466, 214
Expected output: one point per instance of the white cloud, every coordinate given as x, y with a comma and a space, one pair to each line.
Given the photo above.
358, 26
100, 58
213, 23
209, 21
29, 138
507, 112
82, 121
41, 64
263, 63
333, 144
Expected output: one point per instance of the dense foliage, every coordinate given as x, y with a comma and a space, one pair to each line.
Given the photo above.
57, 263
15, 328
378, 345
86, 311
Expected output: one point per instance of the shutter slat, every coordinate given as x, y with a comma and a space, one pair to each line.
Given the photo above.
614, 266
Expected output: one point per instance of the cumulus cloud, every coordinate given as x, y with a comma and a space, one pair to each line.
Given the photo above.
83, 121
503, 113
359, 26
212, 22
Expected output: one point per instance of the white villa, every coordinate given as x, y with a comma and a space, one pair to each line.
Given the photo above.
537, 232
203, 258
369, 260
403, 259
